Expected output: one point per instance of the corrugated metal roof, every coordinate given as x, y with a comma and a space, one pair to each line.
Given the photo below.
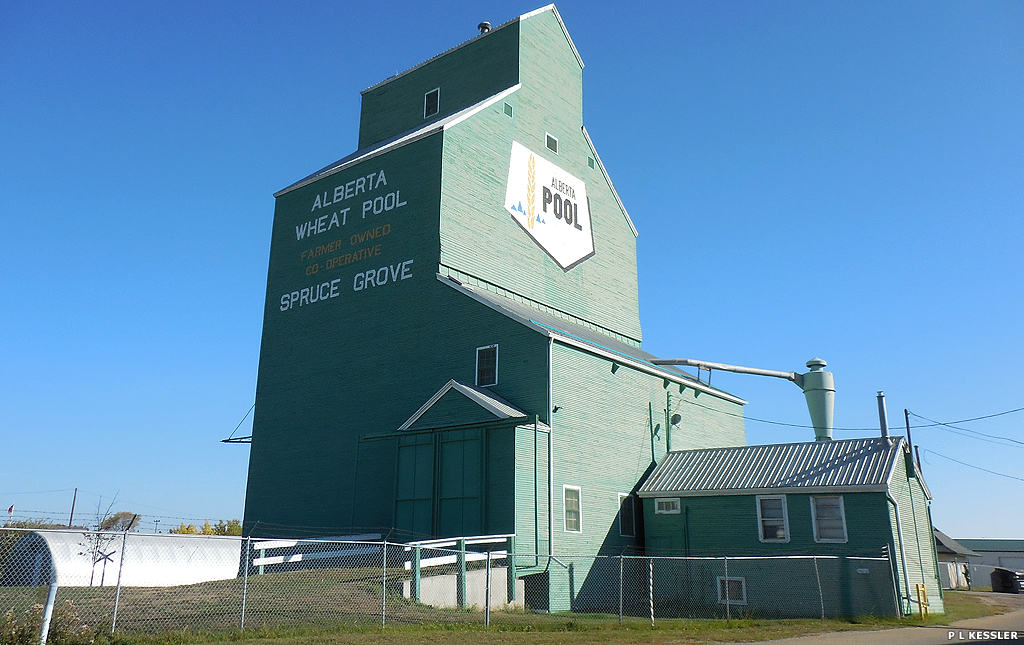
846, 463
992, 544
946, 544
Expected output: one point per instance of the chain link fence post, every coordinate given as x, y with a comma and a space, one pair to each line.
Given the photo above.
51, 598
245, 579
821, 597
728, 609
650, 587
120, 568
487, 592
461, 559
620, 590
384, 586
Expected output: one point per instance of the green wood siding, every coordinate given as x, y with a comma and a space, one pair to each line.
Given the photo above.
363, 362
479, 238
479, 69
918, 539
452, 409
602, 440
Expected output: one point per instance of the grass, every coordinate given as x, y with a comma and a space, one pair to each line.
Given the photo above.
343, 606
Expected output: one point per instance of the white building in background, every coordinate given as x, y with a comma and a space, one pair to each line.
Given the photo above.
91, 559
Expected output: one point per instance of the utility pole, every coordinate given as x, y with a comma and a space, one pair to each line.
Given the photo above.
73, 500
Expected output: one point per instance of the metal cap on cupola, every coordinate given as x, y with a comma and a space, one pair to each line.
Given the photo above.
484, 27
820, 392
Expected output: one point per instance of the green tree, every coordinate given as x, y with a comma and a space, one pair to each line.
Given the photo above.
185, 529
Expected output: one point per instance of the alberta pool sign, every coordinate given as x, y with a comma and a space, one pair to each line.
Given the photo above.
551, 206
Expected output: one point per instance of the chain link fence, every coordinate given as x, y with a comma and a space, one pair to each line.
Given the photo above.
145, 583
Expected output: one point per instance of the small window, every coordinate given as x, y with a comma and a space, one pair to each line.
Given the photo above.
571, 504
666, 506
627, 518
590, 162
735, 589
508, 110
551, 143
829, 519
487, 365
431, 102
772, 518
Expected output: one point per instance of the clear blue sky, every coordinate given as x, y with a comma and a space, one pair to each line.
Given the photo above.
833, 179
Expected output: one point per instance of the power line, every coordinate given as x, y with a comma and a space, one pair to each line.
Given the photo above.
963, 463
987, 416
950, 425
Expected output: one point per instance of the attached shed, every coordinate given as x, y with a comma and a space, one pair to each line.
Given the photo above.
91, 559
848, 500
953, 563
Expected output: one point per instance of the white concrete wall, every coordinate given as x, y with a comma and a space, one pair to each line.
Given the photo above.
442, 590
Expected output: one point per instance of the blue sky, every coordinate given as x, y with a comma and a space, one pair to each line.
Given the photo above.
843, 180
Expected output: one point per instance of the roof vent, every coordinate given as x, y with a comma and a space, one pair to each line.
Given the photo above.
484, 27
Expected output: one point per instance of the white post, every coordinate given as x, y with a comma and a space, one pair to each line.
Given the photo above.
48, 613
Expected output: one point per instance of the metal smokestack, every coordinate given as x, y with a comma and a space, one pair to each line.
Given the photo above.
883, 418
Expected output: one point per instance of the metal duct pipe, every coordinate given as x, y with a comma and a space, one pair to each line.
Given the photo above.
883, 418
818, 387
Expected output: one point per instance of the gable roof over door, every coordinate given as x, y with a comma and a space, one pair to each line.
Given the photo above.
490, 406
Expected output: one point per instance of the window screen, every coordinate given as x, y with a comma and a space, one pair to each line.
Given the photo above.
571, 499
772, 514
487, 365
829, 519
431, 103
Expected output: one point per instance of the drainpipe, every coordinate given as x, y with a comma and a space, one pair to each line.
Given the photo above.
903, 553
551, 469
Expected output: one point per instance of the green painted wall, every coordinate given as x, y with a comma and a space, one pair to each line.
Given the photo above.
478, 236
918, 539
727, 525
476, 70
360, 361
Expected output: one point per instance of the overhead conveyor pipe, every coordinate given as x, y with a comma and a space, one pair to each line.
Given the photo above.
817, 384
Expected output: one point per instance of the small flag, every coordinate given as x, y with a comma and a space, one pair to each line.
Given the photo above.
10, 512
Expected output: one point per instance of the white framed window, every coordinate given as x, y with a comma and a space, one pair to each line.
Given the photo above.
572, 506
627, 515
829, 518
772, 518
666, 505
733, 588
431, 102
551, 142
487, 366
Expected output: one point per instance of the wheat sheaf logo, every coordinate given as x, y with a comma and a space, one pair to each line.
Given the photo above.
531, 192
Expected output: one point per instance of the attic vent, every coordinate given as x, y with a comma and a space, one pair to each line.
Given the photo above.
431, 102
590, 162
508, 110
551, 143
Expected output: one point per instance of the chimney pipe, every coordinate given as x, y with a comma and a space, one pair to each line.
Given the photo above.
883, 418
